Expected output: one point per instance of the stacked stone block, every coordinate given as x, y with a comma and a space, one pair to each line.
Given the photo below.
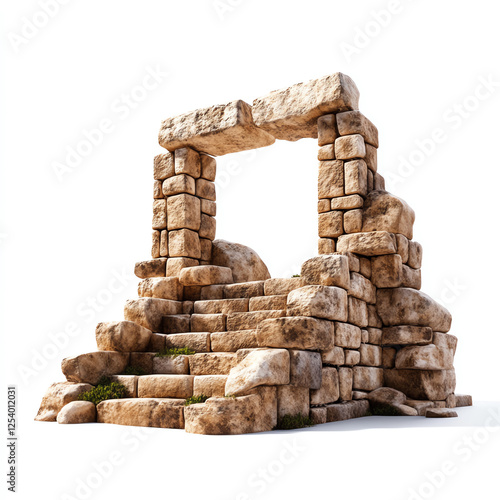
352, 333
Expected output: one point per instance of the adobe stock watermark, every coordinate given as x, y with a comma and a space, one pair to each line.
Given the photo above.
262, 478
379, 21
31, 26
452, 290
453, 119
101, 471
463, 451
87, 311
223, 7
233, 167
121, 109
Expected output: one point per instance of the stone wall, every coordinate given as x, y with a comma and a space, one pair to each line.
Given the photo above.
352, 335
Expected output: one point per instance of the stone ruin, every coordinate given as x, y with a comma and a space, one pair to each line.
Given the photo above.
352, 333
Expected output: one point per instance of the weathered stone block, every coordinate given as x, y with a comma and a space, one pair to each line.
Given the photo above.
179, 184
415, 251
149, 312
330, 179
362, 288
77, 412
241, 290
326, 302
358, 312
334, 356
268, 303
347, 202
347, 335
369, 244
326, 152
354, 122
160, 288
352, 358
208, 323
347, 410
155, 244
328, 270
164, 166
292, 400
171, 365
233, 341
305, 369
177, 264
387, 271
205, 275
353, 220
371, 355
329, 390
187, 161
183, 212
355, 175
198, 342
207, 227
215, 363
345, 383
209, 385
208, 168
184, 243
327, 130
367, 378
123, 336
349, 147
407, 335
89, 368
159, 214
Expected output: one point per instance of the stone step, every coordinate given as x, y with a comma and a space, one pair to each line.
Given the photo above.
176, 323
209, 322
196, 341
221, 306
213, 363
250, 320
171, 365
165, 386
232, 341
149, 312
209, 385
144, 412
269, 303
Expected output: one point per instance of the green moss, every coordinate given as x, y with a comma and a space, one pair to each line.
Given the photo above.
298, 421
173, 352
134, 370
105, 389
193, 400
295, 275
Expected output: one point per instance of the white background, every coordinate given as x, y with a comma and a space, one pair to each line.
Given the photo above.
65, 236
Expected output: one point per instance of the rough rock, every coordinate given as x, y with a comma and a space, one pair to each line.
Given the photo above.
210, 385
198, 342
262, 367
208, 323
383, 211
187, 161
305, 369
205, 275
415, 252
362, 288
330, 224
183, 243
440, 413
334, 356
208, 169
347, 335
292, 400
89, 368
330, 179
371, 355
327, 130
358, 312
292, 113
160, 288
345, 383
369, 244
171, 365
150, 268
233, 341
463, 400
329, 390
352, 358
183, 212
407, 335
387, 271
282, 286
406, 306
128, 381
144, 412
326, 302
385, 396
244, 262
212, 363
122, 336
178, 184
149, 312
250, 320
349, 147
57, 396
164, 166
165, 386
367, 378
77, 412
298, 332
355, 175
318, 415
217, 130
346, 410
354, 122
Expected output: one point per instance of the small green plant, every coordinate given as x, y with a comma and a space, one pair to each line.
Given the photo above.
193, 400
298, 421
295, 275
384, 410
134, 370
173, 352
105, 389
232, 396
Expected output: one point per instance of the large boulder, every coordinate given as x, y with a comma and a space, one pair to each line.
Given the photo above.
57, 396
244, 262
326, 302
407, 306
122, 336
386, 397
330, 270
77, 412
90, 367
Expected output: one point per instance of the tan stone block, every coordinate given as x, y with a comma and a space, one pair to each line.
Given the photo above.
451, 401
406, 306
164, 166
324, 206
367, 378
358, 395
198, 342
362, 288
326, 302
346, 410
292, 113
356, 177
422, 384
407, 335
364, 336
143, 360
155, 245
208, 323
205, 189
293, 400
353, 221
326, 152
411, 278
345, 383
371, 161
176, 323
369, 178
369, 244
157, 190
208, 167
159, 214
184, 243
224, 306
208, 207
187, 161
249, 289
334, 356
192, 293
402, 247
358, 312
383, 211
281, 286
269, 303
215, 363
371, 355
298, 332
463, 400
260, 367
415, 255
175, 365
183, 212
347, 335
57, 396
305, 369
440, 413
330, 224
388, 357
374, 336
165, 386
318, 415
329, 390
175, 265
330, 179
217, 130
327, 130
347, 202
206, 249
148, 312
354, 122
378, 182
328, 270
365, 267
150, 268
353, 262
90, 367
387, 271
209, 385
212, 292
352, 358
122, 336
205, 275
179, 184
77, 412
207, 228
373, 318
164, 243
349, 147
234, 341
250, 320
156, 344
188, 306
